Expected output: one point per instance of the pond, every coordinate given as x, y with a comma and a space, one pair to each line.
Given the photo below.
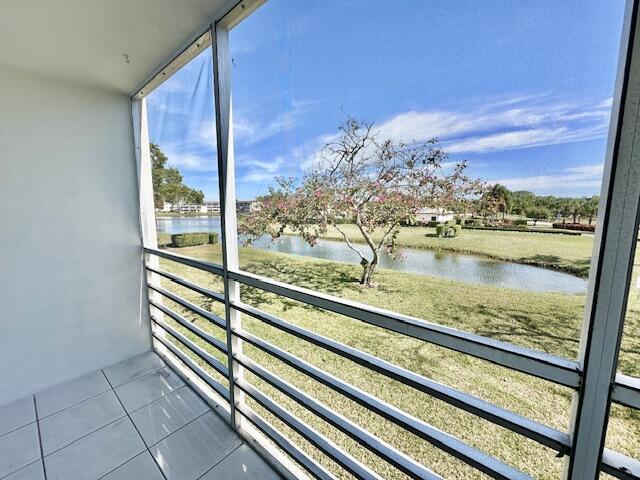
453, 266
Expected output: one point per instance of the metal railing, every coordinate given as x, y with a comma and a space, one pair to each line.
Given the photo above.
560, 371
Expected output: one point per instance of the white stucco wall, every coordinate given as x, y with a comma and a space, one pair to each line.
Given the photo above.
70, 267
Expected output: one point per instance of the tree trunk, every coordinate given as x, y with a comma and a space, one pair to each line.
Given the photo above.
368, 266
367, 272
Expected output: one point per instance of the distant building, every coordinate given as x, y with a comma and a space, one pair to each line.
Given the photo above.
209, 206
184, 208
427, 215
246, 206
212, 206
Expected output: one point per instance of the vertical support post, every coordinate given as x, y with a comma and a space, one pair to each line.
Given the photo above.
145, 181
611, 265
146, 202
229, 231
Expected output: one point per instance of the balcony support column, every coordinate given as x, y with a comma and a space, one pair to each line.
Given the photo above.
611, 265
146, 204
229, 225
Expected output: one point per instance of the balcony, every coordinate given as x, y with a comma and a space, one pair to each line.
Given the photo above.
122, 359
123, 421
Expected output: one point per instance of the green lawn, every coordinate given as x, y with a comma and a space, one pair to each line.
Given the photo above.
545, 321
569, 253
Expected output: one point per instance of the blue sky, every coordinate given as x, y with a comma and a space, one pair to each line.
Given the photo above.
522, 90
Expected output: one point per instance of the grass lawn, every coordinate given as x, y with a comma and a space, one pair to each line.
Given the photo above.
544, 321
569, 253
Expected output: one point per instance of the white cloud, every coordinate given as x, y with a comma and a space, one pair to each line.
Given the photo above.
572, 179
271, 167
419, 126
530, 122
192, 163
207, 134
256, 177
597, 169
254, 131
606, 103
526, 139
255, 171
308, 156
489, 126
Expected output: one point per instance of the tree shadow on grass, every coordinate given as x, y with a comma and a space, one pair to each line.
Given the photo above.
558, 335
326, 277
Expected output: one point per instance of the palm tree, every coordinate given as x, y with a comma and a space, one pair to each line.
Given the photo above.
502, 196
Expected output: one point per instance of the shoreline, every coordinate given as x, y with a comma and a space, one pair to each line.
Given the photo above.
548, 258
577, 272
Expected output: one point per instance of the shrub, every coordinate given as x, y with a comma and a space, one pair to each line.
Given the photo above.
581, 227
472, 221
520, 229
521, 222
432, 224
180, 240
448, 231
213, 238
460, 221
538, 213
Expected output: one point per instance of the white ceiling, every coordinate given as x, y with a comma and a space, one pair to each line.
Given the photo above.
84, 40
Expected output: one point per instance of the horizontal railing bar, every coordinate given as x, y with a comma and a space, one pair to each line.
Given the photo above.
210, 339
540, 364
213, 318
212, 361
197, 369
620, 466
626, 391
190, 262
438, 438
549, 437
191, 286
283, 443
543, 365
318, 440
385, 451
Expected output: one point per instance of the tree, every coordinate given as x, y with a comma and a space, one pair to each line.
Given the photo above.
521, 200
589, 207
566, 207
576, 206
167, 182
488, 205
538, 213
378, 184
501, 198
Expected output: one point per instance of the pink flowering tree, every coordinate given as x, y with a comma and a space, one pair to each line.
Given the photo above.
376, 184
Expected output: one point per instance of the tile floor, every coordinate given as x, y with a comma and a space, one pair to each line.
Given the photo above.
134, 420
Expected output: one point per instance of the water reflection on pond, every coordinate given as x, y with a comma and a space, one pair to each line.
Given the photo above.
453, 266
